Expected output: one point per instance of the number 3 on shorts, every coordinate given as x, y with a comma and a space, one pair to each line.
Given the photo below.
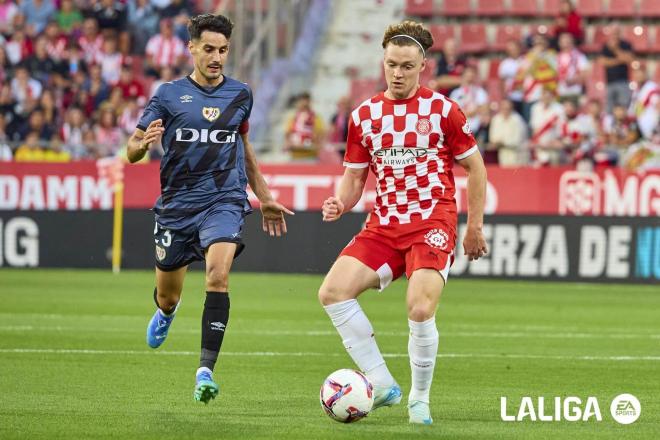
165, 238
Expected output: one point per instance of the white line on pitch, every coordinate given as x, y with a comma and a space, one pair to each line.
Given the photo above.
460, 334
317, 354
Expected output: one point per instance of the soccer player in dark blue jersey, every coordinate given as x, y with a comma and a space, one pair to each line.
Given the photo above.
208, 161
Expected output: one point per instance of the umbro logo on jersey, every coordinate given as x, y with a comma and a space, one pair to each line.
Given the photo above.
211, 113
186, 98
218, 326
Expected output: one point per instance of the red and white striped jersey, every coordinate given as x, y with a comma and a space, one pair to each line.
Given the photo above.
410, 145
165, 51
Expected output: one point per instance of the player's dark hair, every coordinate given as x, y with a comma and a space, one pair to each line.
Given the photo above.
397, 34
209, 22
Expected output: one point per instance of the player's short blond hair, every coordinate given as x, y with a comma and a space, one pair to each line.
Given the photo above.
408, 33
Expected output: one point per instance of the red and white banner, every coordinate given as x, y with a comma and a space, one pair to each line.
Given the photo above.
564, 191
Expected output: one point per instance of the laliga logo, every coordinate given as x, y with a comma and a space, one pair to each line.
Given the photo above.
204, 135
625, 409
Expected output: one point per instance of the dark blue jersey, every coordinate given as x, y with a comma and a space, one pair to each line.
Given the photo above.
204, 161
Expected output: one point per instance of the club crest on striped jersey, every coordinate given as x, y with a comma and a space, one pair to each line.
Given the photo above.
423, 127
211, 113
437, 238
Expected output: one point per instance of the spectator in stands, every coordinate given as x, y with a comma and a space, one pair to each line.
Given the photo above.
4, 65
304, 131
572, 69
143, 22
89, 139
69, 17
19, 47
73, 132
8, 10
110, 14
339, 125
49, 109
179, 11
579, 142
36, 123
538, 72
592, 119
471, 97
508, 74
568, 21
55, 151
24, 88
546, 122
110, 60
37, 13
450, 68
96, 88
167, 73
5, 150
40, 65
74, 60
164, 49
130, 115
616, 56
30, 150
644, 102
508, 133
91, 41
130, 86
109, 137
620, 129
56, 41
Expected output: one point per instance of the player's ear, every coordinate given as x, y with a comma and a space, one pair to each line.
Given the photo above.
191, 46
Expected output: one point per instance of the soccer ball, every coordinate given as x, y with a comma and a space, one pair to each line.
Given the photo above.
347, 396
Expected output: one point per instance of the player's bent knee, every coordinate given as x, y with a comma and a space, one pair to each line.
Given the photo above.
421, 311
332, 294
217, 280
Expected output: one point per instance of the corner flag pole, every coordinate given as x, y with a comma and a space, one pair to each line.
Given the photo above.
112, 169
117, 226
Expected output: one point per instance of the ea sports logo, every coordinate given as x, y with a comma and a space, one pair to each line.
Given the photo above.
625, 408
423, 127
437, 238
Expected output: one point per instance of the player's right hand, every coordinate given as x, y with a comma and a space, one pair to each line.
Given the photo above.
332, 209
153, 133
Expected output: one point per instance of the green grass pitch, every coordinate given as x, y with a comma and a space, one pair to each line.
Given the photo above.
74, 363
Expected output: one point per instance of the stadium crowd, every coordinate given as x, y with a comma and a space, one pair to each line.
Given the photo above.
75, 76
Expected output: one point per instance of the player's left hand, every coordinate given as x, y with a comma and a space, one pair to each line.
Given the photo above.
474, 244
273, 217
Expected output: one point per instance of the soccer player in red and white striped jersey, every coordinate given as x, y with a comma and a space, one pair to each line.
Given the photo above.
409, 136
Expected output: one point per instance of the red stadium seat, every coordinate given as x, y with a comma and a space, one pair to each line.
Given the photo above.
655, 43
649, 9
440, 34
504, 34
473, 38
493, 68
527, 8
494, 89
638, 37
456, 8
620, 8
362, 89
550, 8
589, 8
596, 88
419, 8
491, 8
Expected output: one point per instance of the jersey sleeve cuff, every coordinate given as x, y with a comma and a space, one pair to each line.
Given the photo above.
141, 127
467, 153
356, 165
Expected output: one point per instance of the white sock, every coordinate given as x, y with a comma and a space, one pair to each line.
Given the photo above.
422, 349
358, 338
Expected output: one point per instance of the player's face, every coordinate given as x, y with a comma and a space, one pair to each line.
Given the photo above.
209, 54
402, 67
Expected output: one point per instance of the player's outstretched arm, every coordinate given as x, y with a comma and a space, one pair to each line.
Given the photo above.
350, 190
474, 244
271, 210
141, 141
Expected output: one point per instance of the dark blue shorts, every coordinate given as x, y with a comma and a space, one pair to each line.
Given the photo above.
176, 248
